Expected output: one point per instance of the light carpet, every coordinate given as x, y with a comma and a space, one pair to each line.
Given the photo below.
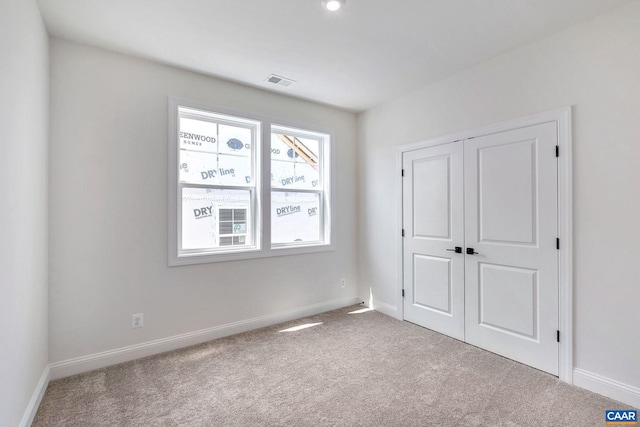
361, 369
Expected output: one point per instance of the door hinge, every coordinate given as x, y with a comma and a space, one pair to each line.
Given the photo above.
558, 336
403, 232
402, 172
557, 151
403, 293
557, 243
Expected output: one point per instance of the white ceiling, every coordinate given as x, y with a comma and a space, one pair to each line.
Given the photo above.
367, 53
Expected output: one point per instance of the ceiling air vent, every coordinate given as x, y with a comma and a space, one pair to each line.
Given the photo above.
279, 80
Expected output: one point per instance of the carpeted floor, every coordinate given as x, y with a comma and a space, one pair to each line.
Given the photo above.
361, 369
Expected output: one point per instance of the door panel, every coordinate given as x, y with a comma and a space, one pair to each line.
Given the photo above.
507, 193
511, 283
432, 191
436, 296
433, 223
509, 299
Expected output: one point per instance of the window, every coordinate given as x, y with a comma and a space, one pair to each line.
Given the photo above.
296, 187
222, 206
216, 182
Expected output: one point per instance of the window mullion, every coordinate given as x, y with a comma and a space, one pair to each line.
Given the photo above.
266, 185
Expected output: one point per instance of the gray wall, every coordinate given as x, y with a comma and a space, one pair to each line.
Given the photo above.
108, 209
593, 67
24, 91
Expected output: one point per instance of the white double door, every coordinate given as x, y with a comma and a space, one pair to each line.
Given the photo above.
480, 259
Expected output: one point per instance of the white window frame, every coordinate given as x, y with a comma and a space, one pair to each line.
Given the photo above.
253, 189
262, 204
324, 169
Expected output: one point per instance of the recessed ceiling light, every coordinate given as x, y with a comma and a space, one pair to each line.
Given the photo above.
333, 5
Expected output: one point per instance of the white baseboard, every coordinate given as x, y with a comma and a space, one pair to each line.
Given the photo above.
607, 387
90, 362
388, 309
36, 398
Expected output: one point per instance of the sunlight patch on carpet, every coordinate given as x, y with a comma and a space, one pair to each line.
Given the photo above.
364, 310
301, 327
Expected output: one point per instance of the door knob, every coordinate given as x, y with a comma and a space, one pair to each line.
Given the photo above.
470, 251
457, 250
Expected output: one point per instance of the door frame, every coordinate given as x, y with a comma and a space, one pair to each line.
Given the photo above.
563, 119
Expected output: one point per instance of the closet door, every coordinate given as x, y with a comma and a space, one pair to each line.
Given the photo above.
433, 224
511, 228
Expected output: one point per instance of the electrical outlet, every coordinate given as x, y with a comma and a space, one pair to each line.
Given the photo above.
137, 320
343, 283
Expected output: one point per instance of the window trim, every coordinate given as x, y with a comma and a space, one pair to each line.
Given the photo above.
324, 150
262, 221
229, 120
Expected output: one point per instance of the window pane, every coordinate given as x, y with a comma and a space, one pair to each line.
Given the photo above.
295, 217
307, 163
294, 162
280, 149
209, 218
198, 135
215, 154
308, 148
307, 176
215, 169
234, 170
235, 140
282, 174
198, 167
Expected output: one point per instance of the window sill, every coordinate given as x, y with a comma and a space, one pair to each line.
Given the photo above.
191, 259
